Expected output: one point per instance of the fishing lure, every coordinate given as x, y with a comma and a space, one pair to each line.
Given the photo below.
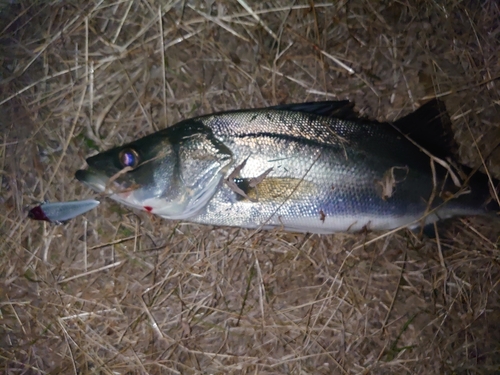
58, 212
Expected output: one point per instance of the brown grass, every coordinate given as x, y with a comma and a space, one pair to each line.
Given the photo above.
122, 292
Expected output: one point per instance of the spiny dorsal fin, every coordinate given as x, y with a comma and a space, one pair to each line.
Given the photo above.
342, 109
430, 127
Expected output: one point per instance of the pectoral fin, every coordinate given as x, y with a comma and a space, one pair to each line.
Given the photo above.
272, 189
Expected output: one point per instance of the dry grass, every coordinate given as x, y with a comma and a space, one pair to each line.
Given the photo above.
121, 292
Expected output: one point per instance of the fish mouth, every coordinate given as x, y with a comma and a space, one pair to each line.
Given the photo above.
101, 183
92, 179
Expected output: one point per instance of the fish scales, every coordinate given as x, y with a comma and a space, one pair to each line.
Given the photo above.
325, 153
289, 168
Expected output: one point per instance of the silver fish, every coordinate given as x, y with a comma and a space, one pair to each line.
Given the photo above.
312, 167
57, 212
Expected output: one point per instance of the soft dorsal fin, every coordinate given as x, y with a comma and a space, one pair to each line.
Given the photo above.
342, 109
430, 127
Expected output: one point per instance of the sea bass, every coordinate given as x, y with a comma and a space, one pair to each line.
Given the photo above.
312, 167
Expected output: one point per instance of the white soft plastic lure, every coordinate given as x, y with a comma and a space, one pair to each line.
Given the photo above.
58, 212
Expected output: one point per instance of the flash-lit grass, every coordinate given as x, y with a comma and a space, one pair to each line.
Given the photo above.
122, 292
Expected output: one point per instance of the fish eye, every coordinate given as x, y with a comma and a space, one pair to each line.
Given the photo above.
129, 158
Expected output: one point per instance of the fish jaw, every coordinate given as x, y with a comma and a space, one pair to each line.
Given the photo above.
92, 179
99, 181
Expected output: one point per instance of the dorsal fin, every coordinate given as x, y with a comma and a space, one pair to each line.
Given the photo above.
342, 109
430, 127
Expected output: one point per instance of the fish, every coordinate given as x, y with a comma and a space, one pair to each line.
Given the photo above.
315, 167
58, 212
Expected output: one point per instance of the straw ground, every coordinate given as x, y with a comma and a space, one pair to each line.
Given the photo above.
123, 292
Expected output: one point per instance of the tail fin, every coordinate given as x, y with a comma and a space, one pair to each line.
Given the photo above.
430, 127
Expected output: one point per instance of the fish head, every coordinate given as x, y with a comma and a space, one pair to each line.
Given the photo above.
172, 173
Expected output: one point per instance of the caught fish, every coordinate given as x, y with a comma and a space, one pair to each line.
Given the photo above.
312, 167
58, 212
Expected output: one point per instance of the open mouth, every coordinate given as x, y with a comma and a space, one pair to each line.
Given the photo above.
100, 183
